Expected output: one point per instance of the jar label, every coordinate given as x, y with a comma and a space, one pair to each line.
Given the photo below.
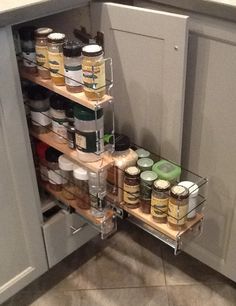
73, 75
177, 214
59, 129
55, 177
94, 77
56, 64
42, 57
86, 141
40, 118
131, 193
159, 207
29, 59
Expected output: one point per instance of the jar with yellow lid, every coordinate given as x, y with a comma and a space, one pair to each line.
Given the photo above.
160, 200
93, 68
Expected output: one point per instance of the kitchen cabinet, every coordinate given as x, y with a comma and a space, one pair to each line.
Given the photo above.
149, 58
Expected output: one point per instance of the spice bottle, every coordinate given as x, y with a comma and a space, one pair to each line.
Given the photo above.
146, 180
73, 66
68, 186
93, 67
178, 207
193, 193
41, 148
28, 49
131, 187
160, 200
39, 109
81, 187
55, 177
59, 120
55, 42
142, 153
42, 51
145, 164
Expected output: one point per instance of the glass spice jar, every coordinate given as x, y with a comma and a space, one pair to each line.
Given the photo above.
160, 200
131, 187
145, 164
42, 51
73, 66
55, 42
68, 187
178, 207
81, 187
28, 49
41, 148
146, 180
142, 153
54, 172
93, 67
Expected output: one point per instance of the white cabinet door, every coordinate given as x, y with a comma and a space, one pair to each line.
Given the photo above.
148, 49
22, 252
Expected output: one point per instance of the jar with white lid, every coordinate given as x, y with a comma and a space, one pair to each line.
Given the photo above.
68, 187
193, 193
81, 187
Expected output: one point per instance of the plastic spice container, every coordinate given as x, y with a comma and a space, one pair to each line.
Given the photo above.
81, 187
39, 109
89, 133
142, 153
160, 200
68, 187
42, 51
146, 180
55, 42
131, 187
28, 49
55, 177
97, 192
59, 120
178, 207
93, 68
193, 193
73, 66
145, 164
167, 171
41, 148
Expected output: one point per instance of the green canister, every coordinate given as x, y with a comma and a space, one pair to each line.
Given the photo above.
167, 171
147, 179
145, 164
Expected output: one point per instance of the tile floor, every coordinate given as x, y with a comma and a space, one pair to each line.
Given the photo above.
131, 268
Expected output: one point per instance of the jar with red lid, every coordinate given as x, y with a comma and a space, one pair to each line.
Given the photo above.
41, 148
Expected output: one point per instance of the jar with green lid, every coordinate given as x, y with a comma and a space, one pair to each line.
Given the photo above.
142, 153
55, 176
132, 187
93, 67
146, 180
160, 200
145, 164
55, 42
68, 187
89, 128
42, 51
178, 207
167, 171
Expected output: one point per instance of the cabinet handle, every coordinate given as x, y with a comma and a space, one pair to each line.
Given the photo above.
76, 230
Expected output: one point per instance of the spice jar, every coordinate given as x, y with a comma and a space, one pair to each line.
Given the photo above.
68, 186
59, 120
42, 51
55, 42
193, 193
145, 164
55, 177
39, 109
81, 187
73, 66
142, 153
131, 187
89, 133
167, 171
178, 207
41, 148
146, 180
28, 49
160, 200
93, 67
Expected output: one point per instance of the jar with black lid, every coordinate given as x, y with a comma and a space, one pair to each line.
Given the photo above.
132, 187
28, 48
178, 207
73, 66
39, 109
55, 175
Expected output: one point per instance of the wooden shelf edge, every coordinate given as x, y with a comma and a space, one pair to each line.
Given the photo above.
79, 98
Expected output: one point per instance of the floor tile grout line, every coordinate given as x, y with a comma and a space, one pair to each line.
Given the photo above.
164, 271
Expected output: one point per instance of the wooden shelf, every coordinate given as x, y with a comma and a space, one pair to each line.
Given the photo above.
162, 227
48, 138
79, 98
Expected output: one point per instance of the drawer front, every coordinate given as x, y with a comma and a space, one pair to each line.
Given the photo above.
63, 234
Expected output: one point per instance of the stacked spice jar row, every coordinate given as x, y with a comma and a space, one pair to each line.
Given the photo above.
87, 189
79, 67
81, 128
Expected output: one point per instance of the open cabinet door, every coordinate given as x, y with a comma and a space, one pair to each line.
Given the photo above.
148, 49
